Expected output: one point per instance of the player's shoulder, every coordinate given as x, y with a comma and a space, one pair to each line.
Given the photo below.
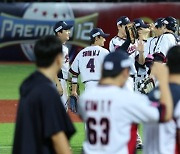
103, 49
150, 39
168, 36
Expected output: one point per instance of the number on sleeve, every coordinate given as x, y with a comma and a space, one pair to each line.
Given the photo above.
91, 65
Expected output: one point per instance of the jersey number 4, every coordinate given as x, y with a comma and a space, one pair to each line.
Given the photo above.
91, 65
92, 135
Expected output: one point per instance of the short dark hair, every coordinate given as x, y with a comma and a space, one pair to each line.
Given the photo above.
46, 49
93, 39
173, 60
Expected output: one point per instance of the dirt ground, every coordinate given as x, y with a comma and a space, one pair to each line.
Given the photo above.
8, 110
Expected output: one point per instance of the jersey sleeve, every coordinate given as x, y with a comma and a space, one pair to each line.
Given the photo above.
55, 118
111, 46
74, 69
141, 110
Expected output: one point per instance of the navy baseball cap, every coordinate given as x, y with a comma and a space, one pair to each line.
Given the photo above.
140, 23
115, 62
124, 20
61, 25
159, 23
98, 32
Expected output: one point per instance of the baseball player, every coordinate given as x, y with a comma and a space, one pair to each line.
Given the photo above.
143, 34
106, 109
62, 31
166, 136
89, 60
168, 39
157, 29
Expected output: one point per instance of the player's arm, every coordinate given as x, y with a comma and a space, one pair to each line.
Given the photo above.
58, 85
74, 70
60, 143
160, 71
74, 86
140, 49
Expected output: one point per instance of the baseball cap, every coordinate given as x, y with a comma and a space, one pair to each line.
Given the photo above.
170, 23
61, 25
115, 62
98, 32
159, 22
140, 23
124, 20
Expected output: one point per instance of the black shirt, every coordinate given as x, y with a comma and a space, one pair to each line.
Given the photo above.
40, 115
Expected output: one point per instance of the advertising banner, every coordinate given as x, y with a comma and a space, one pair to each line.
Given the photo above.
21, 24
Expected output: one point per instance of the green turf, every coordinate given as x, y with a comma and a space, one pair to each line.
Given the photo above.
11, 76
7, 131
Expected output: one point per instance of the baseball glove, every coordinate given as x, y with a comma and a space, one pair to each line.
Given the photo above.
146, 85
131, 32
73, 104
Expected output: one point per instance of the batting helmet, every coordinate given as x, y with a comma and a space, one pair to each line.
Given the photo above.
170, 23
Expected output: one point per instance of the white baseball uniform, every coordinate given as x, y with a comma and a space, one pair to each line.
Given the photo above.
111, 119
65, 73
161, 138
165, 42
88, 63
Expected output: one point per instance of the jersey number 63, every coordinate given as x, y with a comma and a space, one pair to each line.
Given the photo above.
92, 135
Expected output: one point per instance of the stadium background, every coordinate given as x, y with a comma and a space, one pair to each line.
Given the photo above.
21, 24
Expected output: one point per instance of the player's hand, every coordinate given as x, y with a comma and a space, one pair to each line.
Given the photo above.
140, 46
160, 71
151, 26
74, 93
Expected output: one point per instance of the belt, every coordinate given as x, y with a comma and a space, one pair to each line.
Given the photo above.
90, 81
62, 79
132, 76
141, 75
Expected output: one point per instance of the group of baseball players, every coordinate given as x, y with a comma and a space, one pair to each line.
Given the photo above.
112, 104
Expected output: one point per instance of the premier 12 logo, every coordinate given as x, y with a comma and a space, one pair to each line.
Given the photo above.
15, 30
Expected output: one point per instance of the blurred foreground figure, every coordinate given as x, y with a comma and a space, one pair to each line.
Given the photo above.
165, 138
42, 125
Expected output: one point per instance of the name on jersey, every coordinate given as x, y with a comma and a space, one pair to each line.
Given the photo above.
103, 105
91, 53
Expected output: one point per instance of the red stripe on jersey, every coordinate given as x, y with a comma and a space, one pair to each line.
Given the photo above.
132, 141
74, 73
177, 149
162, 112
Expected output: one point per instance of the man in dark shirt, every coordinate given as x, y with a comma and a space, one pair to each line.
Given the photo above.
42, 125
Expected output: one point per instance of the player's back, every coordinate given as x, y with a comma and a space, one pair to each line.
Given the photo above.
90, 61
109, 114
165, 42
